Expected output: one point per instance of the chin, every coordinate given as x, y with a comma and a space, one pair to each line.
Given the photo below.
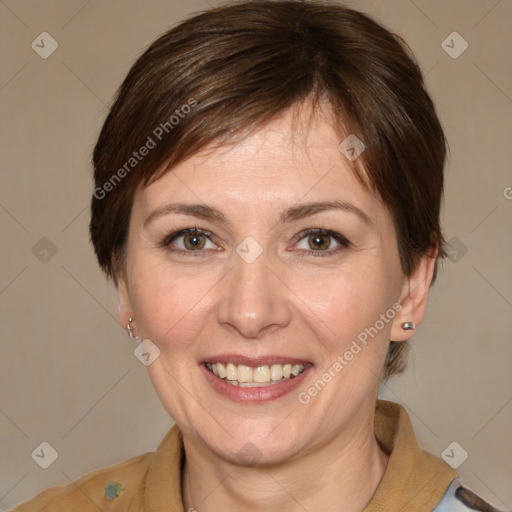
255, 443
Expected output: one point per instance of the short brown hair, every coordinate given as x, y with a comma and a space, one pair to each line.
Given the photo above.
232, 69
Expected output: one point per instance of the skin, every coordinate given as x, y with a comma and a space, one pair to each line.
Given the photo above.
322, 455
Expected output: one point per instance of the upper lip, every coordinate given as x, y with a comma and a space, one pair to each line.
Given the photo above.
254, 362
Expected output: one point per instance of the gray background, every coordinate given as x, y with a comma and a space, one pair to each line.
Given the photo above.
69, 376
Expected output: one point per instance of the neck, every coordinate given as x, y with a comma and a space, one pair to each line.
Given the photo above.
340, 475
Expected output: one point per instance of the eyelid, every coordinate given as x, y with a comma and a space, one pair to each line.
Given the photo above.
343, 243
333, 234
178, 233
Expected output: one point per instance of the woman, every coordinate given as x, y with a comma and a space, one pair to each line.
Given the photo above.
267, 194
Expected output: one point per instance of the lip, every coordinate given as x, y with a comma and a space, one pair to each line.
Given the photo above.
257, 394
254, 362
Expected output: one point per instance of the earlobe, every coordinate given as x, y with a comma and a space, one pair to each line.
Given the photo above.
414, 298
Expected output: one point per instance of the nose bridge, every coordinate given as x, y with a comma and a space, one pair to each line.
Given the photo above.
253, 298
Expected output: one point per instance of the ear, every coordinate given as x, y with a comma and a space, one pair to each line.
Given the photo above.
125, 310
414, 297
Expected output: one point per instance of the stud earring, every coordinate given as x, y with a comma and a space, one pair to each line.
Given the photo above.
131, 329
408, 326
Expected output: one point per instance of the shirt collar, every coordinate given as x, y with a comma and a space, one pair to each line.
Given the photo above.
414, 480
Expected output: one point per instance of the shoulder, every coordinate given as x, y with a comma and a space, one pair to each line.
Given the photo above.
460, 499
114, 488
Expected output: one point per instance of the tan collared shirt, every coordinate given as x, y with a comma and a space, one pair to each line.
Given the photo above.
414, 480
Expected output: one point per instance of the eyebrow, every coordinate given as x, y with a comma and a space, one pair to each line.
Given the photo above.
293, 214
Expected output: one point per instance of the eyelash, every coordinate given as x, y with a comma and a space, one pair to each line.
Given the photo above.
344, 243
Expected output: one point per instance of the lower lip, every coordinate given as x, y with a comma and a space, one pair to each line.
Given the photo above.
259, 394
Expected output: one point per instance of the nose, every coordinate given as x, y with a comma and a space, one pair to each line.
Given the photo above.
254, 298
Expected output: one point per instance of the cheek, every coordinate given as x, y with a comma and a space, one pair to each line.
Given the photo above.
170, 308
344, 302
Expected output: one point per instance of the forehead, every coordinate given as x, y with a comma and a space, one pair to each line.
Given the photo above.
291, 159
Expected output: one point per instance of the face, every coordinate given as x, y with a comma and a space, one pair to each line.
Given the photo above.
271, 293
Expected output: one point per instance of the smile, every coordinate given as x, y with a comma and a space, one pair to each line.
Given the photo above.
260, 376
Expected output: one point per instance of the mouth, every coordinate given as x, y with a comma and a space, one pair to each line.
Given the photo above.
245, 376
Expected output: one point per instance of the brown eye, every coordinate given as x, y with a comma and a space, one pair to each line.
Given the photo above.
189, 240
319, 241
194, 241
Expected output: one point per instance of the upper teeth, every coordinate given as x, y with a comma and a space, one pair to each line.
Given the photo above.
260, 374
